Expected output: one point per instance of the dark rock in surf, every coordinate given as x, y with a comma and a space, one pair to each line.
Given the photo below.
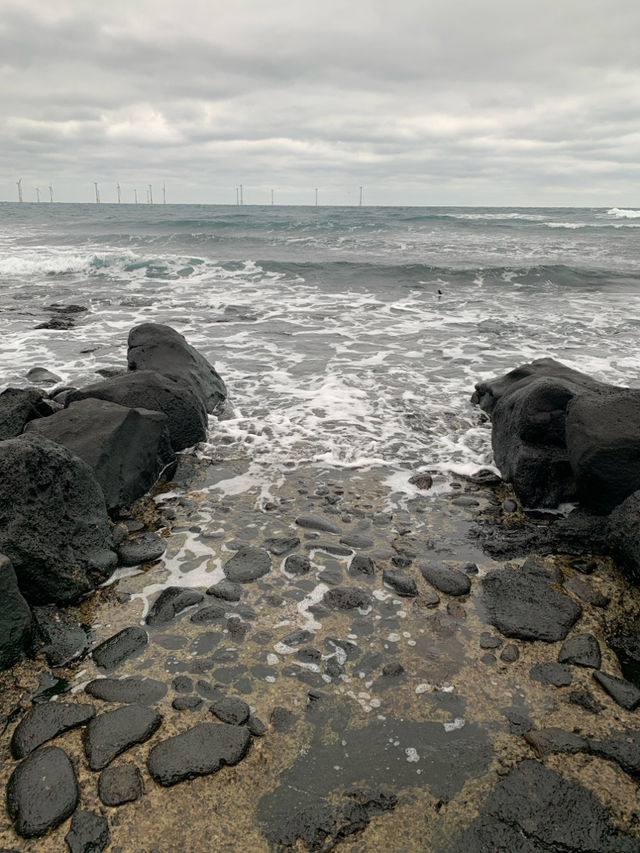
125, 644
297, 564
126, 448
42, 792
581, 650
41, 376
552, 673
626, 694
18, 406
347, 598
226, 590
153, 346
146, 389
626, 645
111, 733
54, 525
623, 536
401, 582
44, 722
145, 547
202, 750
16, 622
310, 521
232, 710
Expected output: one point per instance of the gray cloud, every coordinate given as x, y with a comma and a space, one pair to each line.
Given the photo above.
432, 102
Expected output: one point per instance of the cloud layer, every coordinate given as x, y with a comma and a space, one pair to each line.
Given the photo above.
425, 102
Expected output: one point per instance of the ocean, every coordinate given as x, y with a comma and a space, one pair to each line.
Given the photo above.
347, 336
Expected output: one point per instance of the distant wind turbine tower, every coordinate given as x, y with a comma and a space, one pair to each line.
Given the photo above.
95, 184
164, 193
50, 193
271, 196
316, 196
38, 194
118, 191
241, 195
19, 182
360, 196
150, 194
135, 196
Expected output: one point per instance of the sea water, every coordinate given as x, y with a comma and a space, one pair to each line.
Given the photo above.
348, 337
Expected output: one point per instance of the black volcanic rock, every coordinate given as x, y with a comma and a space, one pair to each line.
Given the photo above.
45, 721
125, 644
133, 688
201, 750
112, 732
42, 792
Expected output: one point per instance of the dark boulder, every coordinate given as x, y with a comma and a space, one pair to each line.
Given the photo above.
42, 792
146, 389
146, 547
347, 598
626, 694
153, 346
133, 688
232, 710
125, 644
400, 582
446, 579
523, 603
45, 721
626, 645
16, 622
581, 650
18, 406
112, 732
126, 448
41, 376
603, 443
54, 525
199, 751
171, 601
623, 536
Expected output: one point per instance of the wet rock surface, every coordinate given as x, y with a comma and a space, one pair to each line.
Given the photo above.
89, 833
123, 645
198, 752
247, 565
42, 792
43, 722
113, 732
445, 579
120, 784
133, 688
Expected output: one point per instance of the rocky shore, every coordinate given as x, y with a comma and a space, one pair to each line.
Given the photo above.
453, 667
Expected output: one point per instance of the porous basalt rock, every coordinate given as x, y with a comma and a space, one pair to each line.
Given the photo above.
16, 622
42, 792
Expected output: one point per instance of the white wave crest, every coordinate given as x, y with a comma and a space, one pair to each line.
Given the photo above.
624, 213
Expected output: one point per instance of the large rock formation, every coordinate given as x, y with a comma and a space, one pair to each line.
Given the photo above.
17, 407
15, 617
153, 346
560, 435
147, 389
54, 525
126, 448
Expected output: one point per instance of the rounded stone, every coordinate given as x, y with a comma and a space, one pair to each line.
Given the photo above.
120, 784
42, 792
231, 710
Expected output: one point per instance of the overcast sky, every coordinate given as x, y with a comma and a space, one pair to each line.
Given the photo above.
501, 102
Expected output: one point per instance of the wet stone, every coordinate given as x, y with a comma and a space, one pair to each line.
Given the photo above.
347, 598
190, 702
297, 564
309, 655
362, 565
489, 659
201, 750
311, 521
89, 833
522, 603
356, 540
329, 548
237, 629
133, 688
581, 650
111, 733
445, 579
171, 601
518, 719
282, 719
212, 613
297, 637
586, 592
627, 649
621, 747
247, 565
280, 545
552, 673
123, 645
510, 653
42, 792
346, 648
146, 548
528, 811
44, 722
231, 710
170, 642
205, 642
331, 575
226, 590
369, 663
65, 638
585, 699
120, 784
256, 726
208, 691
401, 582
489, 641
456, 610
182, 684
551, 740
229, 674
393, 669
626, 694
261, 670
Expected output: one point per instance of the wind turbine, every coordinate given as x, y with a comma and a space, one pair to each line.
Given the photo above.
19, 182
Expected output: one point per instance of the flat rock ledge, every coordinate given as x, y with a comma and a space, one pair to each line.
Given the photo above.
42, 792
202, 750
